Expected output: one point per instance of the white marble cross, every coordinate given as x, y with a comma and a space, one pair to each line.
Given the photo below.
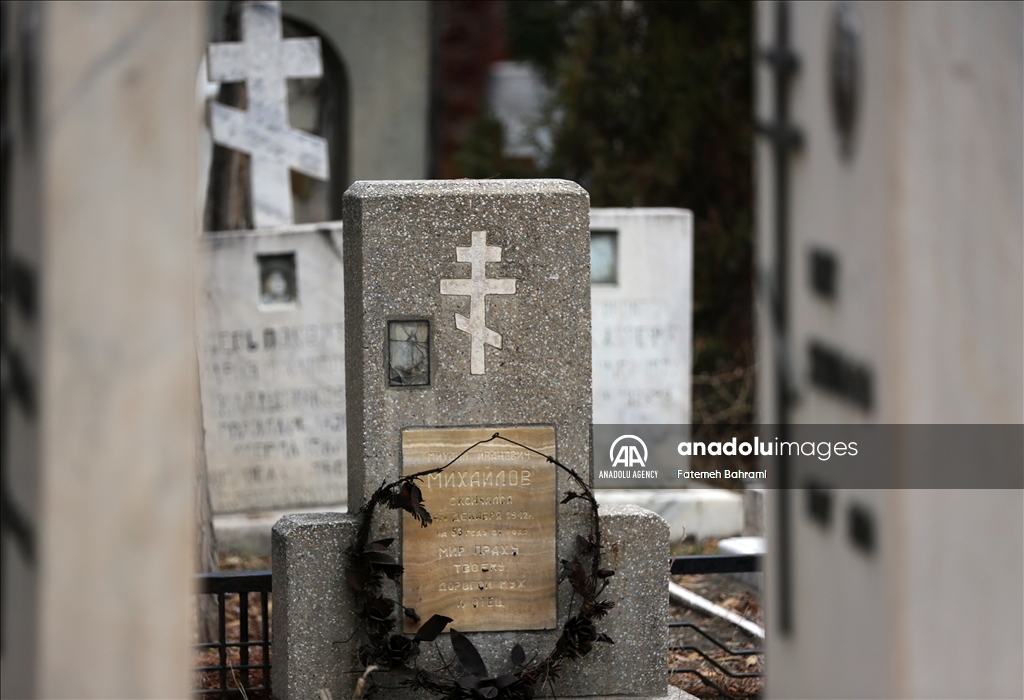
265, 62
477, 287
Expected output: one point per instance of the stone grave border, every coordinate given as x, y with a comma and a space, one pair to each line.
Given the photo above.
368, 563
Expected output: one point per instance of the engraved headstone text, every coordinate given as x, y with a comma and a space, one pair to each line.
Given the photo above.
488, 559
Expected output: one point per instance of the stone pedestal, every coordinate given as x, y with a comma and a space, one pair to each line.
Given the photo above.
314, 618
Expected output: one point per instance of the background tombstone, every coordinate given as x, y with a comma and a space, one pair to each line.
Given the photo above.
272, 368
271, 305
901, 282
641, 300
489, 281
99, 130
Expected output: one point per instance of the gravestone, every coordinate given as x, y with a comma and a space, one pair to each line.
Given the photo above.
270, 314
468, 314
264, 61
892, 297
270, 322
641, 301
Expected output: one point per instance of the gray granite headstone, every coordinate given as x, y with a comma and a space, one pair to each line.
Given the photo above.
270, 321
468, 311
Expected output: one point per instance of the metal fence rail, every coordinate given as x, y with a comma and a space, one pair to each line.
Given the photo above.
717, 564
714, 564
241, 583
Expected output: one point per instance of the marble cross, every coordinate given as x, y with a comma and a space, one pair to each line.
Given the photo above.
477, 287
265, 61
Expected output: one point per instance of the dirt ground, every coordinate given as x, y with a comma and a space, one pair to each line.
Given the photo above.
210, 680
724, 590
732, 594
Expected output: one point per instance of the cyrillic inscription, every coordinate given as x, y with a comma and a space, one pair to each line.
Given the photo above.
488, 559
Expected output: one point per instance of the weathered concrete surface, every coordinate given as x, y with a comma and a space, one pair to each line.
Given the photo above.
314, 622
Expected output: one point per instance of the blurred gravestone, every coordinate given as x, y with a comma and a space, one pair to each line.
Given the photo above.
270, 312
641, 300
98, 374
892, 267
272, 368
641, 275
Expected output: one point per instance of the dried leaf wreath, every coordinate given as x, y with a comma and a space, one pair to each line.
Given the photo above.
395, 653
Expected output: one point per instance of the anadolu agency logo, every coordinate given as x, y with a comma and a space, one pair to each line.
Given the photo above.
628, 455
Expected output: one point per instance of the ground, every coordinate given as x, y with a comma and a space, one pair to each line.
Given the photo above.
734, 595
726, 591
210, 680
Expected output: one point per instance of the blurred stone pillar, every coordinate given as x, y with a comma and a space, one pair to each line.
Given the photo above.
99, 365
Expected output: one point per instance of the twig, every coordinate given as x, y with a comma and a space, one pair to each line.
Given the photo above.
361, 683
238, 685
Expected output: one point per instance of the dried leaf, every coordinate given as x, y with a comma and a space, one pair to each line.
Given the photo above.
605, 638
585, 546
410, 498
411, 614
488, 692
430, 629
578, 579
565, 570
467, 654
379, 545
505, 680
569, 495
518, 655
469, 682
355, 579
380, 558
380, 608
605, 573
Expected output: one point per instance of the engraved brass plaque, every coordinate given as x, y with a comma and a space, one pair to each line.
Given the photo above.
488, 559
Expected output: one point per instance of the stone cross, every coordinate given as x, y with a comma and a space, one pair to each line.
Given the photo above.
477, 287
265, 62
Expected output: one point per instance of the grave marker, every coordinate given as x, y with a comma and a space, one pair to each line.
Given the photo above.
480, 292
264, 61
270, 321
641, 300
642, 274
270, 312
912, 353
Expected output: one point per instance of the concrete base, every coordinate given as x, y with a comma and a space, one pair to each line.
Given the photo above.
315, 645
696, 512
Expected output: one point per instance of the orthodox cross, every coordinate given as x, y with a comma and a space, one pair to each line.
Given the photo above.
784, 138
477, 287
265, 61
